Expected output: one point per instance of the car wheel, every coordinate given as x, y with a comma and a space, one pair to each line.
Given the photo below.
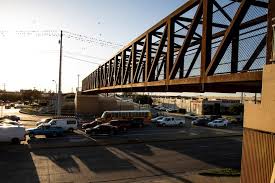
71, 130
163, 125
15, 141
181, 124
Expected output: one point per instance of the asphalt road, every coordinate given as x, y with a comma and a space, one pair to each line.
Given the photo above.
136, 156
176, 161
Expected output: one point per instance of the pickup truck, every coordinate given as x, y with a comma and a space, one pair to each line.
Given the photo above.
46, 130
171, 121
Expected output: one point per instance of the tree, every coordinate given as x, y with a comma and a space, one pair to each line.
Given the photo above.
236, 109
31, 95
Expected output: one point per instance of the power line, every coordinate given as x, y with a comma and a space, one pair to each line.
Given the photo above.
87, 39
81, 60
75, 54
79, 54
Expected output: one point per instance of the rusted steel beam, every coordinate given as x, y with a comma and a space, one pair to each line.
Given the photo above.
207, 38
193, 62
148, 54
200, 22
256, 3
187, 41
127, 69
235, 53
247, 81
184, 8
222, 11
134, 62
244, 25
160, 68
187, 28
151, 76
123, 63
256, 53
139, 63
118, 75
170, 49
230, 32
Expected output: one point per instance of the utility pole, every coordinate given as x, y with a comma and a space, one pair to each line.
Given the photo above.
78, 83
59, 102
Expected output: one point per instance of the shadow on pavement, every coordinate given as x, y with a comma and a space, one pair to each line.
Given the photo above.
16, 164
96, 159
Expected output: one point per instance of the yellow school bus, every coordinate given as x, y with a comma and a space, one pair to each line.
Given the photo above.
144, 115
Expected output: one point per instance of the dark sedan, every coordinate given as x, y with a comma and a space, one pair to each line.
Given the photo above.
12, 117
91, 124
102, 129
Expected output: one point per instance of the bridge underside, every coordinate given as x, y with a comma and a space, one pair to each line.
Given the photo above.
239, 82
204, 46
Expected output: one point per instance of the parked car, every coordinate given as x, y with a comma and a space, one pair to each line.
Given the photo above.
10, 122
45, 129
154, 120
201, 121
7, 106
11, 133
171, 121
137, 123
102, 129
218, 123
43, 121
122, 125
171, 110
12, 117
68, 124
91, 124
162, 108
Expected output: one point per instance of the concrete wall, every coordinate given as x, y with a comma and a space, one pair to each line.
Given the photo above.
258, 153
96, 105
262, 116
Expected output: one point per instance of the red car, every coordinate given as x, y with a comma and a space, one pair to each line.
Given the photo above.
122, 125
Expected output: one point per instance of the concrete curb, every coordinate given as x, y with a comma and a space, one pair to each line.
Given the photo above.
123, 142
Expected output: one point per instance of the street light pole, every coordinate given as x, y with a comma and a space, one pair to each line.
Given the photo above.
59, 83
56, 96
78, 83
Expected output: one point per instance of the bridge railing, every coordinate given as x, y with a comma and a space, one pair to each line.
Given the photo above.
199, 43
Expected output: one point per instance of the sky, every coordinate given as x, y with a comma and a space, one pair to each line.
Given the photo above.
30, 31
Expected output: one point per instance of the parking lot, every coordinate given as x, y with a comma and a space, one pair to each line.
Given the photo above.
149, 154
148, 133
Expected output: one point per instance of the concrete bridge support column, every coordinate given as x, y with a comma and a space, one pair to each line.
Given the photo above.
258, 151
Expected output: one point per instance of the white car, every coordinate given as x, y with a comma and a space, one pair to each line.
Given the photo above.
68, 124
155, 120
171, 121
218, 123
12, 133
43, 121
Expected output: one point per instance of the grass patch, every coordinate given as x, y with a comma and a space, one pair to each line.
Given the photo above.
221, 172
